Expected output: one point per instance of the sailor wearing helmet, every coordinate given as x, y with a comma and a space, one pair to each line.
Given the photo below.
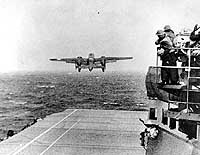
168, 58
169, 32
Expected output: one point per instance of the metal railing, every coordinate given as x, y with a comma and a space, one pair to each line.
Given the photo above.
189, 67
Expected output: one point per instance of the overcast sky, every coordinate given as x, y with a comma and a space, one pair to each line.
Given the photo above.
32, 31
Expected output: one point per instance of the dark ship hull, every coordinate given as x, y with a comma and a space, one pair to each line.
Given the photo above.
168, 93
176, 111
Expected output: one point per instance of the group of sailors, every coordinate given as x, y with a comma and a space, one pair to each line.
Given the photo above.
169, 50
150, 132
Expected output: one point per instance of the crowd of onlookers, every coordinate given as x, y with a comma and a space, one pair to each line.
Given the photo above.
173, 48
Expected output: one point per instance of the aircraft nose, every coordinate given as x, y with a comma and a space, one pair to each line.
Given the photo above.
91, 59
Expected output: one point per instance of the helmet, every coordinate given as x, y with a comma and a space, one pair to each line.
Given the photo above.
167, 27
160, 33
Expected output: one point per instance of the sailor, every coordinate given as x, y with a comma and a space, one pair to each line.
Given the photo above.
179, 43
148, 133
195, 36
168, 58
142, 138
195, 54
169, 32
10, 133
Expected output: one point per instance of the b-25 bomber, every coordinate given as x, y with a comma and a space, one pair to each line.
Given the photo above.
91, 62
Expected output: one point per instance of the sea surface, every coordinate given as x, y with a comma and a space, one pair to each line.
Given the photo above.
27, 97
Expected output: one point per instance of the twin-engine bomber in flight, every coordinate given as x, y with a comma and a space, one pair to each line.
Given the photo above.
91, 62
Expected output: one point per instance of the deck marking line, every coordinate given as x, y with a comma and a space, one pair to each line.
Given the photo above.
16, 149
27, 144
59, 137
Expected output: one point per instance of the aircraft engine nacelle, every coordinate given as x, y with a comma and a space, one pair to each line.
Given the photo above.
103, 61
79, 61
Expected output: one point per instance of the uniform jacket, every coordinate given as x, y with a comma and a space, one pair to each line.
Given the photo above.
168, 57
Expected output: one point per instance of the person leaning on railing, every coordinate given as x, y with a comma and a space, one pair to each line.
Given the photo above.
195, 54
168, 58
169, 32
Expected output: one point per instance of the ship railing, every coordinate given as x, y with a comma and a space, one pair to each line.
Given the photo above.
188, 68
177, 102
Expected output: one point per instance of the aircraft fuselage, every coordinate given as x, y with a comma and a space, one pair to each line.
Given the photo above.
91, 64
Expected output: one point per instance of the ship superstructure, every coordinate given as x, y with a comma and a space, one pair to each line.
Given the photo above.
176, 108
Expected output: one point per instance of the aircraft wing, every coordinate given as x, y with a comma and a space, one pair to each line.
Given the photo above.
67, 60
112, 59
117, 58
98, 61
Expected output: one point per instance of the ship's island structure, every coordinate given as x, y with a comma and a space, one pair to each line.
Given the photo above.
175, 110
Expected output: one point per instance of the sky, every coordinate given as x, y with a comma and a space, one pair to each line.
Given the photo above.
32, 31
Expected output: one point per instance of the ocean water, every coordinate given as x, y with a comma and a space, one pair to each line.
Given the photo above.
26, 97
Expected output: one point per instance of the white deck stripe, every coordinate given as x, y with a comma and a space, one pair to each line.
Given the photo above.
59, 138
22, 148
